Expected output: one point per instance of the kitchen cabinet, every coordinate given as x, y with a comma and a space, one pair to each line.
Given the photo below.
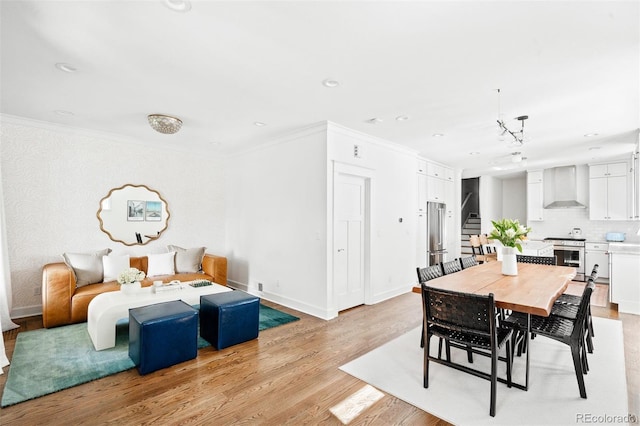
440, 186
439, 171
421, 166
421, 241
597, 253
624, 285
422, 192
436, 189
535, 195
608, 191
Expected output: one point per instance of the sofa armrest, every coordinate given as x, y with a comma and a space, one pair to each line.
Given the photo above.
216, 266
58, 286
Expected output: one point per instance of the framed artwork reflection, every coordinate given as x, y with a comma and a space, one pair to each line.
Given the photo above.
135, 210
153, 211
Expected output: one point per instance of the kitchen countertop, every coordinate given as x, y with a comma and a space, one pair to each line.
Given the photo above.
535, 245
624, 248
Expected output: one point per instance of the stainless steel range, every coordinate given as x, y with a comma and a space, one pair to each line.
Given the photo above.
569, 252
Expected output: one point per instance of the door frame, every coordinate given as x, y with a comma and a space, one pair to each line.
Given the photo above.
367, 174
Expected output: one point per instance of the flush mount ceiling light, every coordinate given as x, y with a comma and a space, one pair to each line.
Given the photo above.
374, 120
178, 5
437, 135
66, 67
402, 118
518, 136
590, 135
164, 123
329, 82
259, 123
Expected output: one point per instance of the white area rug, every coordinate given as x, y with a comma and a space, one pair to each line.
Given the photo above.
460, 398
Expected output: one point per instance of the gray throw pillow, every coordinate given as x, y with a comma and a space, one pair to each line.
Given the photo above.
188, 260
86, 266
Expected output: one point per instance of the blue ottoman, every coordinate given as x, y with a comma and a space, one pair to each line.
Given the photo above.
162, 335
229, 318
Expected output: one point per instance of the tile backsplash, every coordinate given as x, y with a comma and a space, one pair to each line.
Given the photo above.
560, 222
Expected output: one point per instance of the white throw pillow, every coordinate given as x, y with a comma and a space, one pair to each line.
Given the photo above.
188, 260
161, 264
86, 266
113, 265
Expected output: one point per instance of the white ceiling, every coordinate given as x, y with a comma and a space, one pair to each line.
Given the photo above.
573, 67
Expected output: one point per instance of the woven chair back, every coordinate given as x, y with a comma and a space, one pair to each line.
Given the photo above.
484, 242
468, 262
583, 309
594, 272
464, 312
451, 266
429, 273
539, 260
476, 247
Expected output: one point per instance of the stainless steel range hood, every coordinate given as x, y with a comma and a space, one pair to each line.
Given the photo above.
566, 190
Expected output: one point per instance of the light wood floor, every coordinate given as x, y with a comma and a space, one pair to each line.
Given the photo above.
289, 375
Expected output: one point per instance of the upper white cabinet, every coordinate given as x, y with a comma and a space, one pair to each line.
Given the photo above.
422, 192
421, 166
440, 187
608, 191
535, 195
439, 171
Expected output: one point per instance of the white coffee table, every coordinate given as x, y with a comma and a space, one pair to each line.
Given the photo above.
107, 308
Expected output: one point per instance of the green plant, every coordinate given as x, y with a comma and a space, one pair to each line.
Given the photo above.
509, 232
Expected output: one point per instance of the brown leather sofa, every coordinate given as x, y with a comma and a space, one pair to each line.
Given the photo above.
63, 303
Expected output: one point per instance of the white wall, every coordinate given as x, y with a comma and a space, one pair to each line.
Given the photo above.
490, 202
53, 178
514, 199
277, 221
279, 217
393, 197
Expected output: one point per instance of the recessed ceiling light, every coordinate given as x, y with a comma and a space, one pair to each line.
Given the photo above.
474, 153
590, 135
374, 120
437, 135
178, 5
329, 82
63, 113
402, 118
259, 123
65, 67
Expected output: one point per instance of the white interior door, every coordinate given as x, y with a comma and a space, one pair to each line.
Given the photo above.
349, 208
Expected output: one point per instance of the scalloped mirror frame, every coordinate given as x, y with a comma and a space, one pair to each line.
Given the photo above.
145, 238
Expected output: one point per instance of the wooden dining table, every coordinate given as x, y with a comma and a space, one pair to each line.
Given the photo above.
533, 291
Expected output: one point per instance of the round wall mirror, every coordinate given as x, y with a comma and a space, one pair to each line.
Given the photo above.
133, 215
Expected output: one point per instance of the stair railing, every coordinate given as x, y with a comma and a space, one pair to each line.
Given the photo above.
465, 209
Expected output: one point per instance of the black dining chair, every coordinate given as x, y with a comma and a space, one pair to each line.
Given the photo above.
468, 262
451, 266
567, 305
466, 321
567, 331
538, 260
424, 275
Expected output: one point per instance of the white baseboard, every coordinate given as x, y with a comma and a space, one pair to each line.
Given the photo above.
26, 311
315, 311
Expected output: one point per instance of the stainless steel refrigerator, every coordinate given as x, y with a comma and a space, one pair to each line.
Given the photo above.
436, 233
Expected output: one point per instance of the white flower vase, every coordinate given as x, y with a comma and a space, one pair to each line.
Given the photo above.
131, 287
509, 264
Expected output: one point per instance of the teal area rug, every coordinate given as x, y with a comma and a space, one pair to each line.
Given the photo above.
49, 360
